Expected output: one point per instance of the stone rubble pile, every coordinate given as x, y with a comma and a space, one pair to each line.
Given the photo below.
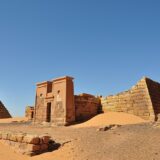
25, 143
108, 127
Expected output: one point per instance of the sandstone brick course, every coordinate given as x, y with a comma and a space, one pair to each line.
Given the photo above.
142, 100
26, 143
86, 106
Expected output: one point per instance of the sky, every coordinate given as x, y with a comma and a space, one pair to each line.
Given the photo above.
106, 45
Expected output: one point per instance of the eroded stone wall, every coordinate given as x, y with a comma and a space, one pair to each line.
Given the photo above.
86, 106
135, 101
25, 143
29, 112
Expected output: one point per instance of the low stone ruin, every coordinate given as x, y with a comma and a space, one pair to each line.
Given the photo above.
27, 144
29, 112
108, 127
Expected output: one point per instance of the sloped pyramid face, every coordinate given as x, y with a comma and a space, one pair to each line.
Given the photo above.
154, 92
3, 111
142, 100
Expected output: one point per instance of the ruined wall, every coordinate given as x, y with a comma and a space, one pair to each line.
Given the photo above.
135, 101
3, 111
86, 106
56, 103
29, 112
24, 143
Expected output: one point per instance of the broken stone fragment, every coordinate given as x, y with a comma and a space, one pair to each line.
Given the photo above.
108, 127
44, 139
44, 147
33, 148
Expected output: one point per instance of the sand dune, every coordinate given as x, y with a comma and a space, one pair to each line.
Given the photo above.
99, 120
69, 151
111, 118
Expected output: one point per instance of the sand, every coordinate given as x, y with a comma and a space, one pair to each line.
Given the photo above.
14, 119
7, 153
84, 140
111, 118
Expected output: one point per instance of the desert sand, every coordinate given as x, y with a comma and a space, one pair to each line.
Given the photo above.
133, 140
14, 119
111, 118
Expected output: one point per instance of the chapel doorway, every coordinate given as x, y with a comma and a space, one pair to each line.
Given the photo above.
48, 117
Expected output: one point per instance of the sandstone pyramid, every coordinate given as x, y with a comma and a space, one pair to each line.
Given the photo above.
3, 111
142, 100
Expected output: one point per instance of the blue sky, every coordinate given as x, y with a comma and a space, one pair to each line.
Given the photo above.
107, 45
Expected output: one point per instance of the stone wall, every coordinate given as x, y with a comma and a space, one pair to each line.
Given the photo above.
24, 143
55, 101
29, 112
40, 106
3, 111
135, 101
86, 106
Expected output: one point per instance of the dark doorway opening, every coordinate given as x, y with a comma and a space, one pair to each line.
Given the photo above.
48, 112
32, 115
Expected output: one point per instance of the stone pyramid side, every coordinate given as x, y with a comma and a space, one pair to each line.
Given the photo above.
136, 100
141, 99
3, 111
154, 92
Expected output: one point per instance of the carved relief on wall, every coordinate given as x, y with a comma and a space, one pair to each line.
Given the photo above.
59, 110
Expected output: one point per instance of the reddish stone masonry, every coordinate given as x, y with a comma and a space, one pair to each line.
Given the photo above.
28, 144
57, 104
86, 106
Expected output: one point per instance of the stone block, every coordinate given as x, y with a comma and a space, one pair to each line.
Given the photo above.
44, 147
31, 139
5, 135
20, 136
44, 139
